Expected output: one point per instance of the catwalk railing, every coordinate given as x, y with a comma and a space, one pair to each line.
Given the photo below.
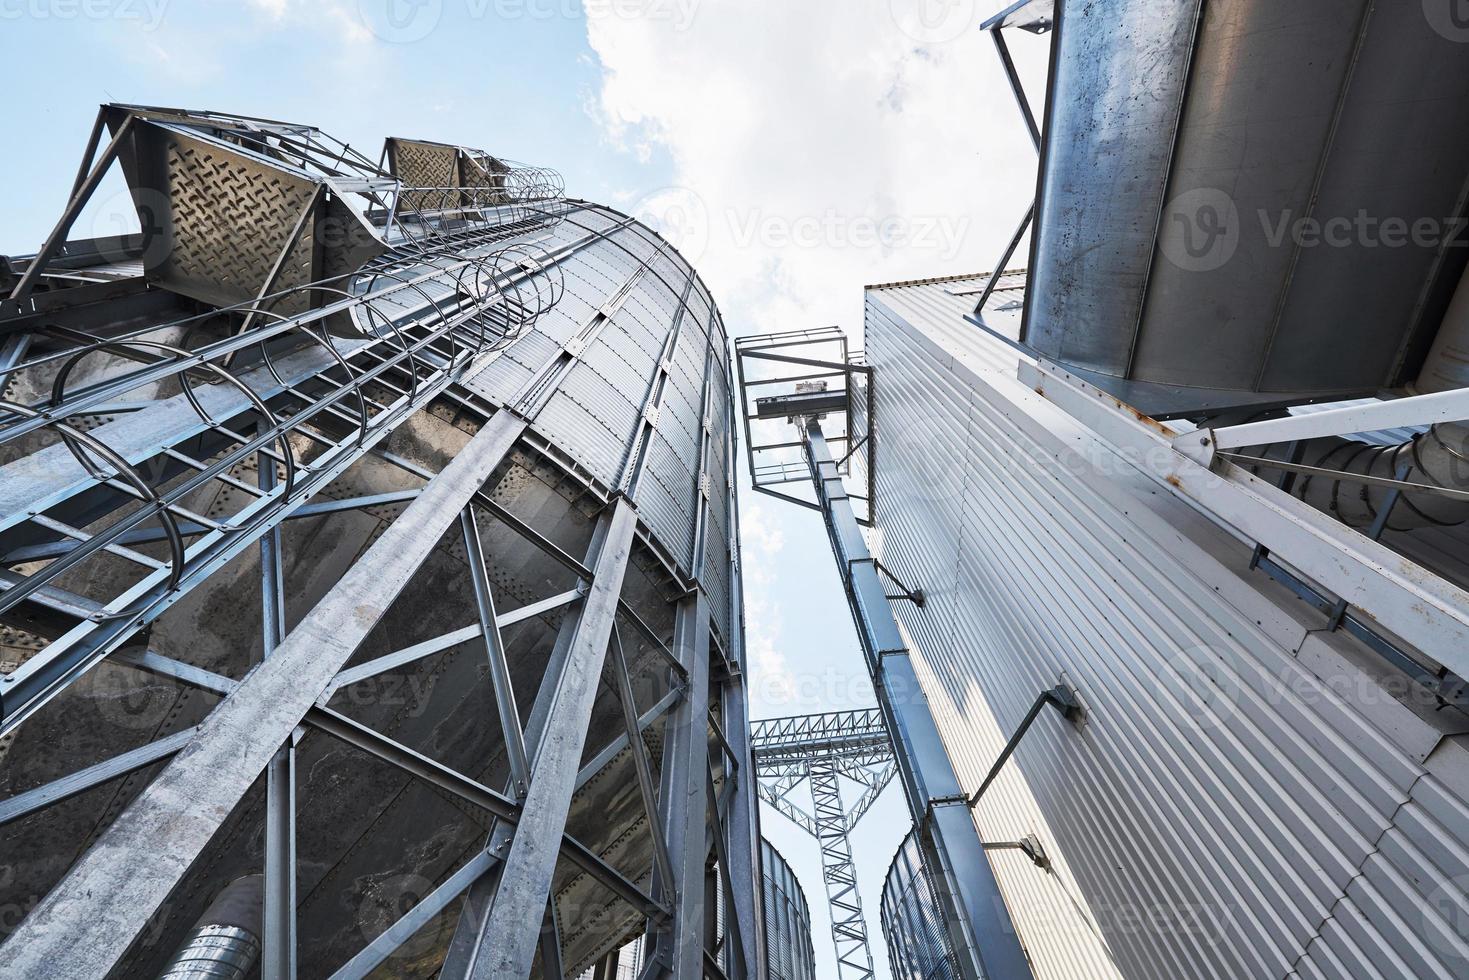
296, 394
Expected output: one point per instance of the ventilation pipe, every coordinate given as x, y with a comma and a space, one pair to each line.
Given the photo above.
1438, 457
225, 942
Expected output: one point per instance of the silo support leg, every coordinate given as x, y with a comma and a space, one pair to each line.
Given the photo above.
89, 920
511, 930
678, 945
481, 893
742, 838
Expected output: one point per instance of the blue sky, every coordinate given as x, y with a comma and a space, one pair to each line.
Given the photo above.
794, 149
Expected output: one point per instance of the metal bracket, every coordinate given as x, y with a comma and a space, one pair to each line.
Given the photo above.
1199, 446
914, 596
1029, 845
1060, 697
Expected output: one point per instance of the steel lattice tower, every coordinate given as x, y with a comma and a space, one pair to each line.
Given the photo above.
822, 751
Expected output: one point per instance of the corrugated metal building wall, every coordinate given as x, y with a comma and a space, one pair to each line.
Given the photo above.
1245, 796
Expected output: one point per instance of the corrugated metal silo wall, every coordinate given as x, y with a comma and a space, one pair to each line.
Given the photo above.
787, 919
918, 945
638, 281
1318, 830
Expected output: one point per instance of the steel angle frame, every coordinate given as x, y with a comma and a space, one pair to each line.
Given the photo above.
249, 737
847, 367
285, 695
554, 551
995, 26
43, 676
1423, 609
848, 924
677, 946
741, 822
464, 947
505, 807
695, 826
504, 949
149, 848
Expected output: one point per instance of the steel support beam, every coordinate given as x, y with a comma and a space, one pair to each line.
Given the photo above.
1062, 698
278, 944
506, 948
88, 921
1430, 409
476, 906
641, 763
1422, 608
477, 794
984, 938
24, 804
742, 829
505, 706
482, 891
82, 193
677, 947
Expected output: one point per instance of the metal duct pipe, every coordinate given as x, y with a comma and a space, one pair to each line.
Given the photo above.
1221, 187
225, 943
1439, 457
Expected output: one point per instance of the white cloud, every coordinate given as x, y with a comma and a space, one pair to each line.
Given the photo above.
273, 9
828, 143
816, 146
346, 20
773, 683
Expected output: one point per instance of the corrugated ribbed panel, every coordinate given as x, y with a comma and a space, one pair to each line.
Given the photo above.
912, 924
679, 423
787, 919
1293, 834
666, 498
635, 341
717, 579
716, 565
619, 361
507, 373
595, 410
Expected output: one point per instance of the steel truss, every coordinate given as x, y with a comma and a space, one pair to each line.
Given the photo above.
822, 750
303, 403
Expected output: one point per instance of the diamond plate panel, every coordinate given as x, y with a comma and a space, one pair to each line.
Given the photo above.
215, 219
